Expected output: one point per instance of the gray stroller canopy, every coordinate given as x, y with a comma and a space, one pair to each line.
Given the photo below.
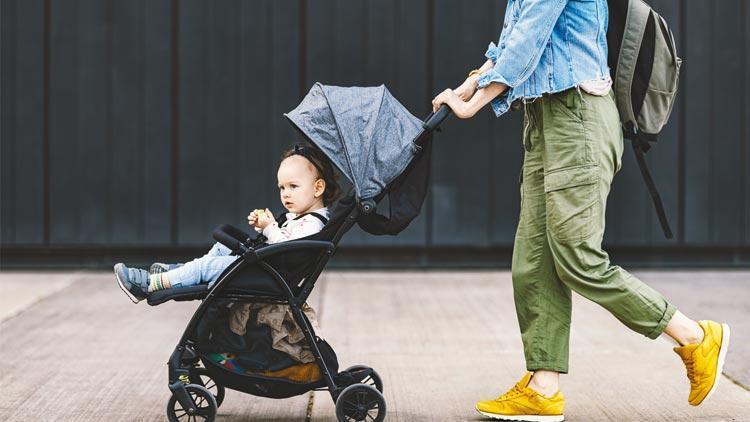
364, 131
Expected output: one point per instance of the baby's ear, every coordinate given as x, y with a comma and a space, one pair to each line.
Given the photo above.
320, 187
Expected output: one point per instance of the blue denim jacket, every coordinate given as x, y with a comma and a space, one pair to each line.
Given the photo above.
547, 46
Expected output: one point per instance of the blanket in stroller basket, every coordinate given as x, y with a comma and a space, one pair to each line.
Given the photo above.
259, 339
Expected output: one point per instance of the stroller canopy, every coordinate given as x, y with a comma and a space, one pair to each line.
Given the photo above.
364, 131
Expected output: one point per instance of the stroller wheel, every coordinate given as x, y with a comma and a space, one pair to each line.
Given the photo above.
201, 377
373, 379
360, 402
204, 406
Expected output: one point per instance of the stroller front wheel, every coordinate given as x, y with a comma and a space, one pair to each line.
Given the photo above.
203, 406
201, 377
360, 402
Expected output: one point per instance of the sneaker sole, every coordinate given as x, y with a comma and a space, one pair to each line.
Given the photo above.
526, 418
725, 334
124, 289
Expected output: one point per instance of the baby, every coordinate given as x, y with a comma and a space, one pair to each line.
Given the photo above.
307, 186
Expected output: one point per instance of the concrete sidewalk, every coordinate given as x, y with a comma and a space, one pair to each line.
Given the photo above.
440, 341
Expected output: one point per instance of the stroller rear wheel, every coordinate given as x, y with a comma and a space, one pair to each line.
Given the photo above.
373, 379
360, 402
203, 408
201, 377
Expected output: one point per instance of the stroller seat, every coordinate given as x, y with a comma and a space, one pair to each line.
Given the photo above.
253, 280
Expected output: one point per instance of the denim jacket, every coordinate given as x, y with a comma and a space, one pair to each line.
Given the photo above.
547, 46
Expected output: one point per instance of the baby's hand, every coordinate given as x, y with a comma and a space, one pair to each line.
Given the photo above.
264, 219
252, 218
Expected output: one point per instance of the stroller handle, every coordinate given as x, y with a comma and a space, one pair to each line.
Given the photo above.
436, 118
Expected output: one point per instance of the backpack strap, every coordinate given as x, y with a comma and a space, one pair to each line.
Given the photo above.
640, 146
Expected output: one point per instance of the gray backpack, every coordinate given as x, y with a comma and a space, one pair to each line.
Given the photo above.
645, 71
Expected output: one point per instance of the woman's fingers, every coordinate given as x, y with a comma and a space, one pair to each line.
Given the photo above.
441, 98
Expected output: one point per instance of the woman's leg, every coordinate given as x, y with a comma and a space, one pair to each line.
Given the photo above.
583, 150
543, 302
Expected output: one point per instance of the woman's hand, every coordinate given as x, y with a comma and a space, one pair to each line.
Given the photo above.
458, 106
468, 88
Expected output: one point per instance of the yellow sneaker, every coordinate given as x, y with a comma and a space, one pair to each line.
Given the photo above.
705, 360
521, 403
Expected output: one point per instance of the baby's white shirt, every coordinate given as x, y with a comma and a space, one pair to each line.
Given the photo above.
294, 229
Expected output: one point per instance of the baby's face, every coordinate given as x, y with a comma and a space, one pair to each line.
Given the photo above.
300, 189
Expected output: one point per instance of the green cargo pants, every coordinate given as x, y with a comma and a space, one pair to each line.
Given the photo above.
573, 148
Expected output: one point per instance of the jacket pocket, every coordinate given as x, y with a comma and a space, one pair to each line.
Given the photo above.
571, 197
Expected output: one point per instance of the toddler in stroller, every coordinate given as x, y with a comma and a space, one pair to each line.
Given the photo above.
307, 186
384, 152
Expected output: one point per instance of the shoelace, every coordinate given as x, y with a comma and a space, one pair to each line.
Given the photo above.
690, 365
516, 391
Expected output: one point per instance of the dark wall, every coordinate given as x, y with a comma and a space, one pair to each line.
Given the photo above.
145, 123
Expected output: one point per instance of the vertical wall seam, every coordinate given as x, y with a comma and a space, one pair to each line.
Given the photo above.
46, 121
9, 65
365, 40
109, 98
175, 120
711, 126
302, 48
430, 82
681, 132
744, 126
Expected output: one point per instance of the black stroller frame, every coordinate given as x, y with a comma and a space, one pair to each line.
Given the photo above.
184, 358
190, 395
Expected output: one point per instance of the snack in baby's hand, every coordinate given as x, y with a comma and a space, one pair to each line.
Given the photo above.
258, 212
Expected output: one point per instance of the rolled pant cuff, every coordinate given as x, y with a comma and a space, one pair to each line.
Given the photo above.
547, 366
659, 329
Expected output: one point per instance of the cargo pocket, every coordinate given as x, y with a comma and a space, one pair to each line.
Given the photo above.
568, 104
571, 195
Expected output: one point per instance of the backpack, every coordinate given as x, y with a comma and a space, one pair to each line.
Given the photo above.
645, 70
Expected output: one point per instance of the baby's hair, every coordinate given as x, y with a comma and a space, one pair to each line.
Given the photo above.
322, 166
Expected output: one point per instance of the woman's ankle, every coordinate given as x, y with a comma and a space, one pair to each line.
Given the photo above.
684, 330
546, 383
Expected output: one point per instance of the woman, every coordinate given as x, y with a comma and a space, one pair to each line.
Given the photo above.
551, 59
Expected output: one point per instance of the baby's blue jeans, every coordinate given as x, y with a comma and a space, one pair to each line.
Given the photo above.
205, 269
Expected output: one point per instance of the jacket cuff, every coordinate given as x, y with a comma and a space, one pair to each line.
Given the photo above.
491, 52
489, 77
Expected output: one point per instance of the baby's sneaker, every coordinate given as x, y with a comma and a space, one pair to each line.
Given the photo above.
132, 281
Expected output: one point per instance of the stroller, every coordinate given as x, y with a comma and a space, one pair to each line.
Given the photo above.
384, 152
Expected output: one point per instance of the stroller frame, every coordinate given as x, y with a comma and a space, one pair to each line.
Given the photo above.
183, 361
184, 358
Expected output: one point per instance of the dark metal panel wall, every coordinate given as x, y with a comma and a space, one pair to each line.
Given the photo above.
22, 205
716, 117
372, 43
108, 122
128, 123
